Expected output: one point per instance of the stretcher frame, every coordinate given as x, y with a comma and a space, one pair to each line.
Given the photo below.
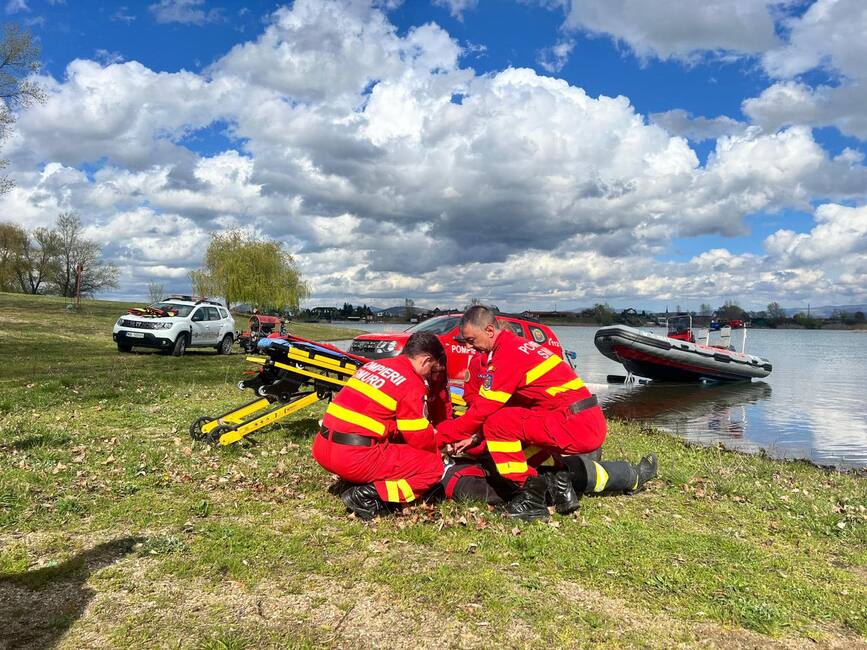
317, 375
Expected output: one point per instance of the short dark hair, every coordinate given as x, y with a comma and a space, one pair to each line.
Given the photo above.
479, 316
425, 343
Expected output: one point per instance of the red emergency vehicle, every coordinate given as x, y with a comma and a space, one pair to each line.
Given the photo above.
381, 345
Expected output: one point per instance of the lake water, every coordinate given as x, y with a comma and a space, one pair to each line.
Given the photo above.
811, 406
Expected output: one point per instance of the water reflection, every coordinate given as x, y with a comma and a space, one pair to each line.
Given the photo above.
691, 406
697, 412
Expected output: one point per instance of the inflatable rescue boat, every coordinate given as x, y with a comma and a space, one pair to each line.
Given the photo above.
678, 357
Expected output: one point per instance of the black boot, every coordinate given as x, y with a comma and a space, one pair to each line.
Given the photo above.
562, 492
647, 468
593, 477
529, 503
364, 501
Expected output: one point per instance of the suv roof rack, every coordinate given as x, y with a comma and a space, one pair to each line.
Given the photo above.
196, 299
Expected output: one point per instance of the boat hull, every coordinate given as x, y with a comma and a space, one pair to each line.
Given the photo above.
664, 359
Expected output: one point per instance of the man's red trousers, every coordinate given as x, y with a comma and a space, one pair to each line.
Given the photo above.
399, 472
509, 430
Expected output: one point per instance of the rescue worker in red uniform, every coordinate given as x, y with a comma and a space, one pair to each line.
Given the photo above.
376, 433
531, 396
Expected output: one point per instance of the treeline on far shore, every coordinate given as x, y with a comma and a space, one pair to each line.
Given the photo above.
773, 317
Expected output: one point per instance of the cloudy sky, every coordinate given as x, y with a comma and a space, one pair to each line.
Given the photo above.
532, 153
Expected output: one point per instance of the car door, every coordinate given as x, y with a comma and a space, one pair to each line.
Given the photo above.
200, 325
214, 323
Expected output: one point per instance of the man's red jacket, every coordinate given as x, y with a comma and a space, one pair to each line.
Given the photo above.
384, 399
519, 373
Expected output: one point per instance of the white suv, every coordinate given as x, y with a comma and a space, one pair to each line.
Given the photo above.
175, 324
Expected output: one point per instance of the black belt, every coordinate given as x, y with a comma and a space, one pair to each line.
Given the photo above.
584, 404
351, 439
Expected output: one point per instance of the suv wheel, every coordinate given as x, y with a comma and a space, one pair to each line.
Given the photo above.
180, 345
123, 347
225, 346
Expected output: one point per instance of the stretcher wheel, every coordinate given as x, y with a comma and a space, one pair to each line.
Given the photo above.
241, 385
213, 436
196, 432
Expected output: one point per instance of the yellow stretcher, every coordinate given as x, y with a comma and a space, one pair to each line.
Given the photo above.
291, 377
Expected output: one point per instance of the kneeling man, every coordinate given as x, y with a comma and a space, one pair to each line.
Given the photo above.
531, 397
376, 432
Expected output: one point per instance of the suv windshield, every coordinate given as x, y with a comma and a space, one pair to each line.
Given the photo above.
182, 310
438, 325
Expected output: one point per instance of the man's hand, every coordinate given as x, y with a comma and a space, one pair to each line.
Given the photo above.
462, 445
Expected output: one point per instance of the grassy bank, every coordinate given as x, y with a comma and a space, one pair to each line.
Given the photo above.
117, 531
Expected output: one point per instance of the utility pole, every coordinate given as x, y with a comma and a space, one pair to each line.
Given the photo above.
78, 271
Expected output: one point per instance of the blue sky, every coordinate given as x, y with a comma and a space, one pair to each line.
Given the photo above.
731, 169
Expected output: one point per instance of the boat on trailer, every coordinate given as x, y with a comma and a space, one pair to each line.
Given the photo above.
678, 356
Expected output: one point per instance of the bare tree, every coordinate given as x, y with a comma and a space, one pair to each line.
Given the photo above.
408, 306
19, 58
156, 291
74, 250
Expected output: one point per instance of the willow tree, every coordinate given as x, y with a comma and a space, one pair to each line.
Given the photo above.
242, 268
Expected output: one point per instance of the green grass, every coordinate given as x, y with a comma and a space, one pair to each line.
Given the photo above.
243, 547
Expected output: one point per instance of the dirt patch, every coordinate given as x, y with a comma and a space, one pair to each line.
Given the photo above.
662, 631
322, 612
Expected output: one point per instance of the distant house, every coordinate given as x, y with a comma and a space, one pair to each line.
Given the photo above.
546, 314
399, 311
325, 313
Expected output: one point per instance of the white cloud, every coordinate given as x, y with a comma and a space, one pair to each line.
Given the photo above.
107, 57
457, 7
673, 29
680, 122
122, 15
828, 36
184, 11
16, 6
125, 112
554, 58
841, 231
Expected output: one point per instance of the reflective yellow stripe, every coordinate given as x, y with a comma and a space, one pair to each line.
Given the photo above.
601, 477
406, 491
511, 468
494, 395
542, 368
419, 424
373, 393
506, 447
575, 384
391, 488
356, 418
531, 452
